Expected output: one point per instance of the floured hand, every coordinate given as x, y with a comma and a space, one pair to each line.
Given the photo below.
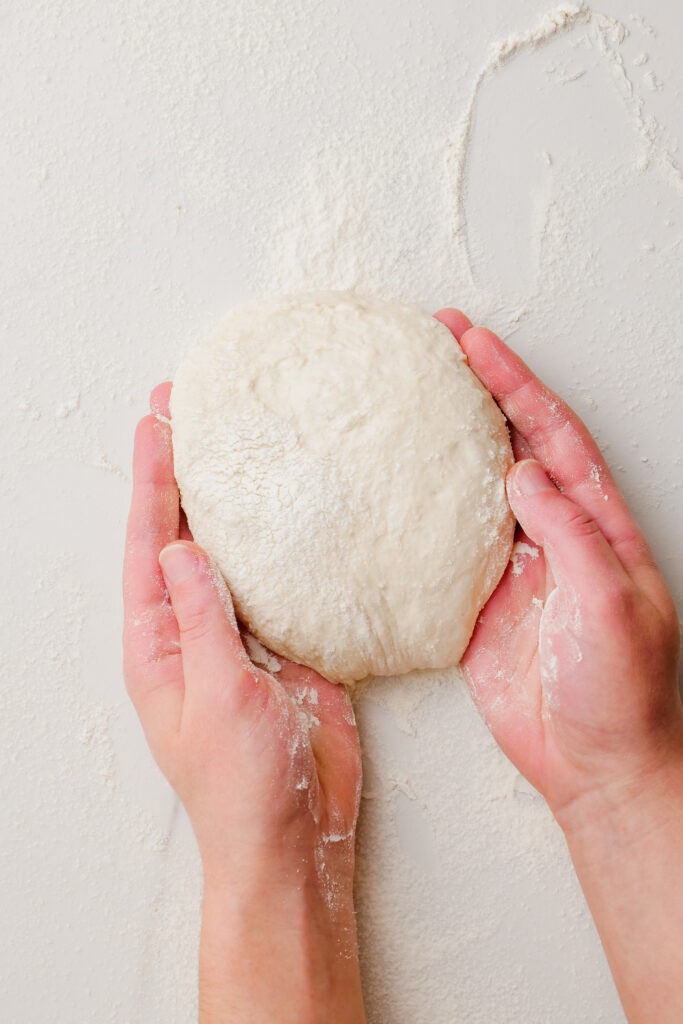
265, 759
573, 664
573, 660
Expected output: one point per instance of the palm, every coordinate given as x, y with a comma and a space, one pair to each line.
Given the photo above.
502, 662
313, 732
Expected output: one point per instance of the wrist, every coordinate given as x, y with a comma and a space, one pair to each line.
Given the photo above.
626, 843
632, 804
263, 906
273, 952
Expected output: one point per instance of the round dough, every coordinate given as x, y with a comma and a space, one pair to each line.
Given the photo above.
345, 469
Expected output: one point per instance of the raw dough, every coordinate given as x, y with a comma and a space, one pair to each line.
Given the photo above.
344, 467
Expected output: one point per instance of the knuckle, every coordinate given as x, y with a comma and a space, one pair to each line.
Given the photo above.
194, 624
618, 603
580, 523
144, 428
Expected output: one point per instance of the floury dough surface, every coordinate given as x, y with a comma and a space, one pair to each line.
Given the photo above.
346, 470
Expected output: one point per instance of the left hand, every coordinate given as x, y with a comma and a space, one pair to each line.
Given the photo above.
267, 764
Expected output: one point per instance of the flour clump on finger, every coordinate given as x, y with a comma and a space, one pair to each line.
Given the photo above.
345, 469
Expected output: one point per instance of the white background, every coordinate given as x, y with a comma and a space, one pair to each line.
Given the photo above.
163, 159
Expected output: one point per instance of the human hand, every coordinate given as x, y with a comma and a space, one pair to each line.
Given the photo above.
573, 662
267, 764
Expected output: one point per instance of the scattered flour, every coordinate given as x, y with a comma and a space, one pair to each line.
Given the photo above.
259, 654
520, 551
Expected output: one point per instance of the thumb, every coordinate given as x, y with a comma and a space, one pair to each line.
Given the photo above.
212, 650
576, 549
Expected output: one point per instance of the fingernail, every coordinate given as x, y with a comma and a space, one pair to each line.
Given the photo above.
178, 562
529, 478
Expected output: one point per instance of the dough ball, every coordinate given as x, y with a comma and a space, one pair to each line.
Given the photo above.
345, 469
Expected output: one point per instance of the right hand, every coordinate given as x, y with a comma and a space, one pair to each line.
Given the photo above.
573, 662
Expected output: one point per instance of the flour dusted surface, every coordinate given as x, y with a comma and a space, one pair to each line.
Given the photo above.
342, 464
181, 158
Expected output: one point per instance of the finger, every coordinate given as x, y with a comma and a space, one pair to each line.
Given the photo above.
159, 404
154, 516
458, 323
160, 398
151, 651
558, 439
215, 664
520, 446
574, 546
454, 320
